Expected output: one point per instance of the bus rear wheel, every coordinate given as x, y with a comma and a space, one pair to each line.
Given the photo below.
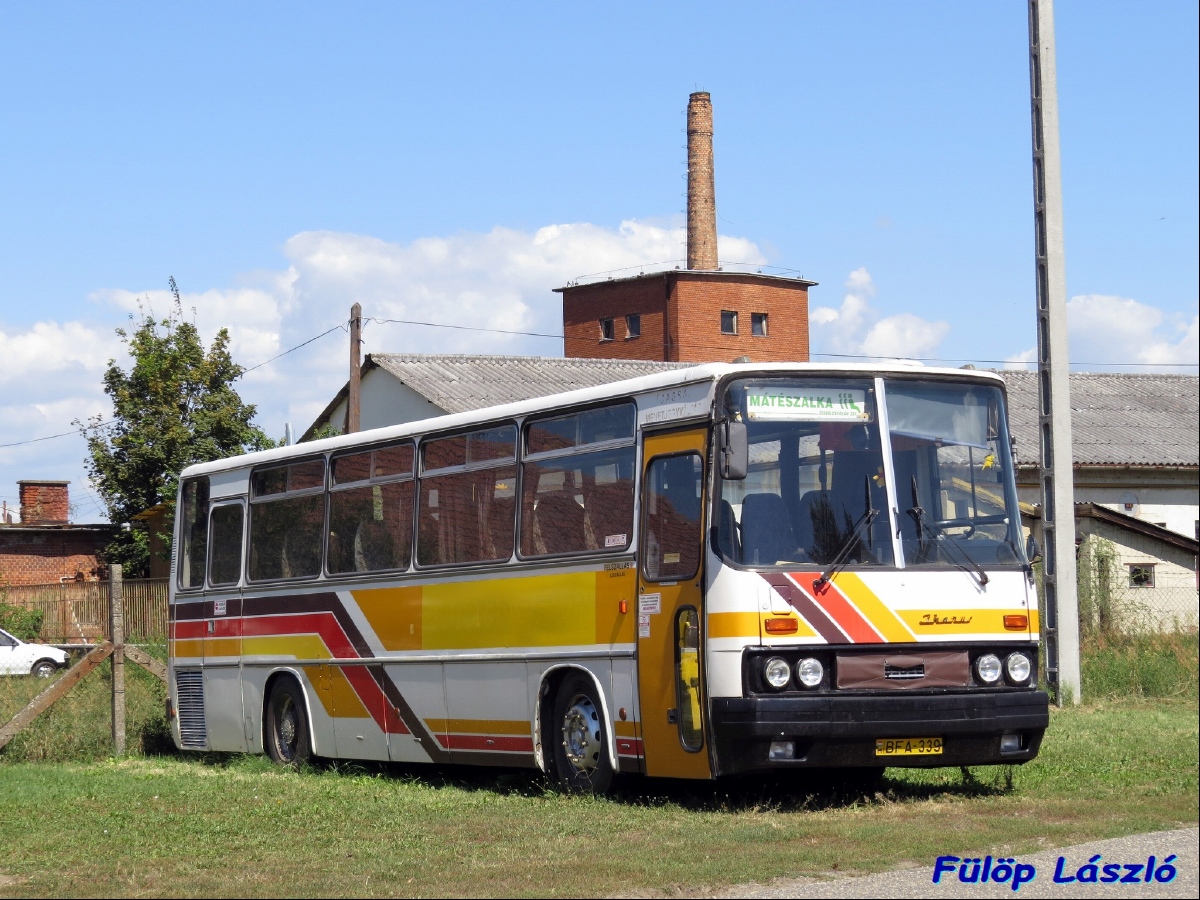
580, 738
287, 725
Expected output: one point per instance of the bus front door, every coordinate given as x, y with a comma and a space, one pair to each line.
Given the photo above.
670, 676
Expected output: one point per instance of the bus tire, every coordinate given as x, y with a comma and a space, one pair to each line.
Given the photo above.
579, 737
287, 737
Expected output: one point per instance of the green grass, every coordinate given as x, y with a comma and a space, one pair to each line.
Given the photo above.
236, 826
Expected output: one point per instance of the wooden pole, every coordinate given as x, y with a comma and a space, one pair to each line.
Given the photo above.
116, 593
353, 419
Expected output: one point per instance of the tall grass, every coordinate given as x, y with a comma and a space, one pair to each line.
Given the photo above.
1162, 664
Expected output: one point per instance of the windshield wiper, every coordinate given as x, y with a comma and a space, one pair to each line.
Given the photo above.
843, 555
964, 560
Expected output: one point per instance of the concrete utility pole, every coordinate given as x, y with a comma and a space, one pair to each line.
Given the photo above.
116, 594
1061, 622
353, 422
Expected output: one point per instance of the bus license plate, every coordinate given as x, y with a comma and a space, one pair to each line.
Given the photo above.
926, 746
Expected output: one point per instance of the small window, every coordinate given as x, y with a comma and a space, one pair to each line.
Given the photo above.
225, 565
758, 324
633, 326
194, 533
606, 329
1141, 575
671, 517
728, 322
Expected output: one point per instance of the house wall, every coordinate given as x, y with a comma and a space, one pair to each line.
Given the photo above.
1162, 495
46, 555
386, 400
1172, 601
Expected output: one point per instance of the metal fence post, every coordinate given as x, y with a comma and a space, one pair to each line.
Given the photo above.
116, 595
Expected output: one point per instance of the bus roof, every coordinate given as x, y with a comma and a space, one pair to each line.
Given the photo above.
710, 372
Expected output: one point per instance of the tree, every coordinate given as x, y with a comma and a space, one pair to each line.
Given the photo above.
174, 407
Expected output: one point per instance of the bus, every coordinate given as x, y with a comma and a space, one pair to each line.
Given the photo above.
729, 568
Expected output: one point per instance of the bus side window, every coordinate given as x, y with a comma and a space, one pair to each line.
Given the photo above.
468, 504
287, 518
194, 533
225, 563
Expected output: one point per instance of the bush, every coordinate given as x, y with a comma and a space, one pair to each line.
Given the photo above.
25, 624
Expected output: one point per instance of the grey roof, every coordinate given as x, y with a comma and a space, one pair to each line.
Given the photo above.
1117, 419
460, 383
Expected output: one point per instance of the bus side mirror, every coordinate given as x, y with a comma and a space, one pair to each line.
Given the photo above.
1032, 551
733, 450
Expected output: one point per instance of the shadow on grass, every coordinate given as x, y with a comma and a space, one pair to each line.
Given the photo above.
814, 789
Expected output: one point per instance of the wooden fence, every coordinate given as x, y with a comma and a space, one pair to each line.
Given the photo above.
77, 612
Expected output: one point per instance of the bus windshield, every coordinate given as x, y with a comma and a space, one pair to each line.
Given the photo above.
815, 474
954, 490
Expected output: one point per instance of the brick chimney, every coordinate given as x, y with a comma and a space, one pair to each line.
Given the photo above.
701, 194
44, 502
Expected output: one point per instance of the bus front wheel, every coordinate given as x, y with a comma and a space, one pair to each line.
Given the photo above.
580, 738
287, 724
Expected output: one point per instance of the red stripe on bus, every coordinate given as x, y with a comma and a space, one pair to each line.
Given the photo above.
834, 602
500, 743
816, 616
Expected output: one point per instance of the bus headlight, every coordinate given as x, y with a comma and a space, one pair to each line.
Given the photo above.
1018, 667
777, 672
987, 667
810, 672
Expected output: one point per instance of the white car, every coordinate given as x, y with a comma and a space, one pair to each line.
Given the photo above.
20, 658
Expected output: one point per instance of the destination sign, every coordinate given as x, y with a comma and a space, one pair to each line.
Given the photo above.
797, 404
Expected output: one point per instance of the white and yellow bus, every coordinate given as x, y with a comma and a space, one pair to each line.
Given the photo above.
721, 569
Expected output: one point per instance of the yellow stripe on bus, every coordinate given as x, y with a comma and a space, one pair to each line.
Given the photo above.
297, 646
873, 609
568, 609
963, 621
752, 625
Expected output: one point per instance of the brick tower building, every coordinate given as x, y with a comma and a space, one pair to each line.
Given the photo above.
697, 314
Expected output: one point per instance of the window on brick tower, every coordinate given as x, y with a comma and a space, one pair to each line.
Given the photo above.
728, 322
606, 329
633, 326
758, 324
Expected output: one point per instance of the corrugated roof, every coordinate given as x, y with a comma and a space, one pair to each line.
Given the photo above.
460, 383
1117, 419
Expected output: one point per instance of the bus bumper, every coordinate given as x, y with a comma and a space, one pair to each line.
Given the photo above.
827, 731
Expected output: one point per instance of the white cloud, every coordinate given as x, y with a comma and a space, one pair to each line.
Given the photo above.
856, 329
1104, 330
502, 279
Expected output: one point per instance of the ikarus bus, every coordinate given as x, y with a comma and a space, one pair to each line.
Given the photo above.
714, 570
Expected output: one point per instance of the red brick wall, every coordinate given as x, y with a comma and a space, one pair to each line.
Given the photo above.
586, 305
45, 555
44, 502
696, 306
692, 317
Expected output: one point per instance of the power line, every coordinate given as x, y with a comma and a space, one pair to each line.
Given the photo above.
459, 327
297, 347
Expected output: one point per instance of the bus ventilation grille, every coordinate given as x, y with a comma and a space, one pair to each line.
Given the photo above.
189, 689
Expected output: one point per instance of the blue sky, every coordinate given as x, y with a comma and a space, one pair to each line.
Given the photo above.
455, 162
